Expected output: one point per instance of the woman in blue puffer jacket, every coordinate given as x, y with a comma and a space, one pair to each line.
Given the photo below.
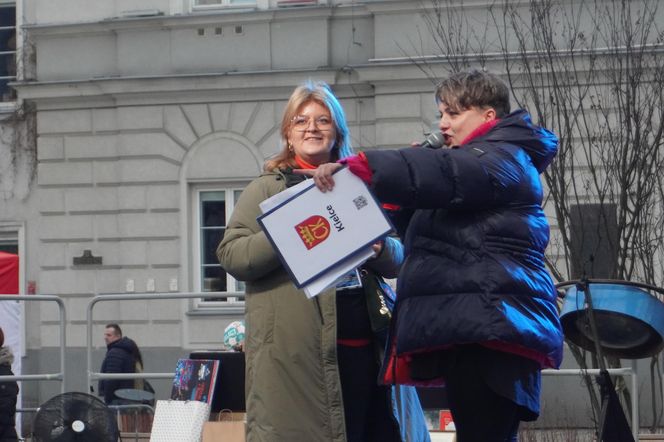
476, 309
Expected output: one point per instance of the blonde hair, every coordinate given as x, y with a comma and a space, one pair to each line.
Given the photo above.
319, 92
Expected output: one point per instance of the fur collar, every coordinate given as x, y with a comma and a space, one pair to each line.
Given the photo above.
6, 356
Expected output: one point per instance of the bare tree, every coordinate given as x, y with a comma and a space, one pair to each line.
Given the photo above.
593, 72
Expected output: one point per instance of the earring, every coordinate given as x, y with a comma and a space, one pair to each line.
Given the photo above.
290, 146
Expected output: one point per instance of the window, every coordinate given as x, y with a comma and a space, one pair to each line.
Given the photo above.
12, 240
7, 50
8, 242
291, 3
214, 210
217, 3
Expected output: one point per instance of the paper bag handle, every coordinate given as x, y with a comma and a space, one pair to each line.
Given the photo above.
225, 412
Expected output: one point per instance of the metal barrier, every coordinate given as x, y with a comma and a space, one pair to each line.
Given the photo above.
583, 285
625, 371
137, 423
60, 376
93, 375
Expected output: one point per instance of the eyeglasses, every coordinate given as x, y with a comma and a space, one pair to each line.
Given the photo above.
302, 122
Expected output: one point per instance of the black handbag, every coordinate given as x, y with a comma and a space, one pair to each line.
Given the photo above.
380, 301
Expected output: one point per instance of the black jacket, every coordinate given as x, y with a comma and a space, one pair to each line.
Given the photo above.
119, 359
8, 396
474, 269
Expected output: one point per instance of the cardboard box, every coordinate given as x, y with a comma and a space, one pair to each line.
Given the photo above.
442, 436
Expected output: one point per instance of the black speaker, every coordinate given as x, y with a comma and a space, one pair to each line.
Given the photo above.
594, 240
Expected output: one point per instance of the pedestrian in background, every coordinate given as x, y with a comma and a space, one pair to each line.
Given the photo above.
8, 394
122, 356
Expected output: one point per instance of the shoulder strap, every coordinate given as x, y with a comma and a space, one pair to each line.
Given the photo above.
290, 178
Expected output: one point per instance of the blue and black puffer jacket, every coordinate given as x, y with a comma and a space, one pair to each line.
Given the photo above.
8, 397
475, 270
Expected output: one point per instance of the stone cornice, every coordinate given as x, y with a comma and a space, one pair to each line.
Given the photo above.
181, 89
195, 19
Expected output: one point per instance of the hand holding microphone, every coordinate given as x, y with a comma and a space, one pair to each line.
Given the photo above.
434, 140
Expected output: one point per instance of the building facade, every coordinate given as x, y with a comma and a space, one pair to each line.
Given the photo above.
140, 122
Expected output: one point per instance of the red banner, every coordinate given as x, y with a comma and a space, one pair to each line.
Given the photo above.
8, 274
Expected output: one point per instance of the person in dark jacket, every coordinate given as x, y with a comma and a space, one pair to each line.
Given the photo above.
476, 305
8, 394
121, 357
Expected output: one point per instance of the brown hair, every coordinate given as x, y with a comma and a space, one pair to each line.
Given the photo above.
117, 331
474, 88
2, 337
320, 93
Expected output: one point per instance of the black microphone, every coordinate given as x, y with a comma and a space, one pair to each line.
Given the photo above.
434, 140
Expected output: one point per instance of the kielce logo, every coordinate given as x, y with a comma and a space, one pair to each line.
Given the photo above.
313, 231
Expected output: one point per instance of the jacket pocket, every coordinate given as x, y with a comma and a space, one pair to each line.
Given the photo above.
260, 318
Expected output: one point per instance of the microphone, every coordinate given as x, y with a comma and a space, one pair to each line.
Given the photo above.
434, 140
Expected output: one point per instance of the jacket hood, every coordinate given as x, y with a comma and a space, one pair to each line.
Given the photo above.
6, 356
287, 175
517, 128
124, 343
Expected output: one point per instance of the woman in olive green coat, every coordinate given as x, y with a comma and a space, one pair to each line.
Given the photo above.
293, 387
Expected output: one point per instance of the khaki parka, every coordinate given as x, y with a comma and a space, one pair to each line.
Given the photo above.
292, 386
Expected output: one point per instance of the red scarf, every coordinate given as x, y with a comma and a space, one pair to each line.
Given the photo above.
480, 130
303, 164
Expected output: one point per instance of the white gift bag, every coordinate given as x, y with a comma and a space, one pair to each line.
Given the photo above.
179, 421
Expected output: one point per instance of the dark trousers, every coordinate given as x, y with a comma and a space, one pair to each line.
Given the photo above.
480, 415
367, 405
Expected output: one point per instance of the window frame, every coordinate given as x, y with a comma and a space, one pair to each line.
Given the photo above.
10, 105
224, 4
15, 231
232, 192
